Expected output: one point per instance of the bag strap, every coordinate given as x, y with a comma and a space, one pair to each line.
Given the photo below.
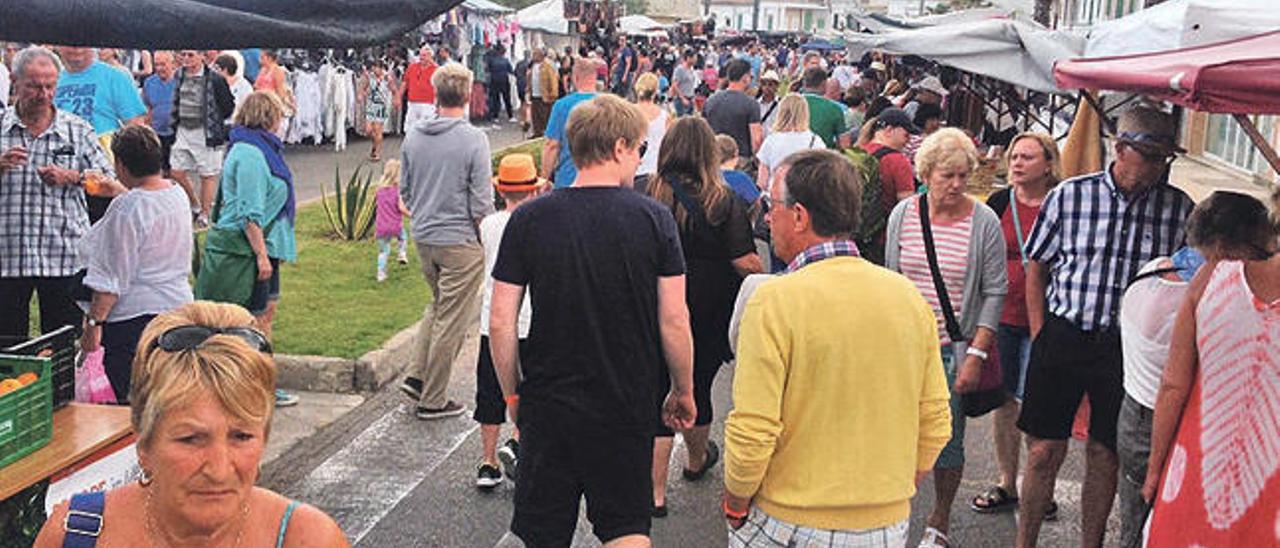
1153, 273
769, 112
692, 206
1017, 225
84, 520
881, 152
812, 139
944, 300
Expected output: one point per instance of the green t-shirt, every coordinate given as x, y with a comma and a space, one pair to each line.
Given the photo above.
825, 119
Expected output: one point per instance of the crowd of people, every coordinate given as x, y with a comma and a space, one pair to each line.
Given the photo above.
806, 216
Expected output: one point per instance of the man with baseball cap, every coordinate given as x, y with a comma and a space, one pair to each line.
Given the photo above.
768, 98
1093, 234
891, 131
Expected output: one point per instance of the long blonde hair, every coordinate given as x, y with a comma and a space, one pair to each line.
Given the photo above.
390, 173
793, 114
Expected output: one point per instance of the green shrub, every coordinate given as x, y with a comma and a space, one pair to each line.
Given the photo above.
351, 215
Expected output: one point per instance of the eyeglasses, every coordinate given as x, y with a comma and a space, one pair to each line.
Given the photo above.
1166, 159
190, 337
644, 147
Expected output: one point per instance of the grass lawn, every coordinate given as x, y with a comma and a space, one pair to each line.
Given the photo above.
330, 304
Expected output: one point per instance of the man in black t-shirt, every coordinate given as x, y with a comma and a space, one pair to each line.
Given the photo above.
605, 272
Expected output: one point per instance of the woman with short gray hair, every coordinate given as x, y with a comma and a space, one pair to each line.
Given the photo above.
952, 248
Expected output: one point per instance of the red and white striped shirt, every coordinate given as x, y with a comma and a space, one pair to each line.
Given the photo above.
952, 244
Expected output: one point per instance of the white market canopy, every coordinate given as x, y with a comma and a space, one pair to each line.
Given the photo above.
640, 25
1181, 23
485, 6
545, 16
1019, 53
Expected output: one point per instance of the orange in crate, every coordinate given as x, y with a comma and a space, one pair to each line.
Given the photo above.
9, 385
27, 378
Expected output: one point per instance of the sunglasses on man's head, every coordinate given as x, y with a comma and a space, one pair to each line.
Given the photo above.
190, 337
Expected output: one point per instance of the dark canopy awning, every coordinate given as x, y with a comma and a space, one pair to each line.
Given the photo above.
210, 24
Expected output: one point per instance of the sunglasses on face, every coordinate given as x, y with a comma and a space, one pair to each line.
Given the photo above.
190, 337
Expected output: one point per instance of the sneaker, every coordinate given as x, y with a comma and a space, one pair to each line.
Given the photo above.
382, 275
488, 476
513, 120
285, 399
450, 409
509, 454
403, 258
412, 387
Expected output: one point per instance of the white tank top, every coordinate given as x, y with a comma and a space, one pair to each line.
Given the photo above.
657, 130
1147, 313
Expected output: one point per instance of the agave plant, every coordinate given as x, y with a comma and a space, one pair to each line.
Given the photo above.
351, 209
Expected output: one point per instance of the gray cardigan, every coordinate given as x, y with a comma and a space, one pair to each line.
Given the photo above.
984, 287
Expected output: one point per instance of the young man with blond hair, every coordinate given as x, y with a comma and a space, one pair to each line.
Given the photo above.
605, 273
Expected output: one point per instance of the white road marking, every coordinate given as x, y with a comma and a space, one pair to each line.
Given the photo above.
362, 482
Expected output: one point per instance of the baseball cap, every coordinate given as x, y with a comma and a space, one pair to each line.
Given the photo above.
896, 117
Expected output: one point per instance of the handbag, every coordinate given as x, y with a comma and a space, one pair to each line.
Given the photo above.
229, 267
990, 393
92, 384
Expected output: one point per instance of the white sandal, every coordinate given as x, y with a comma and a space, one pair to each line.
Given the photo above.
934, 538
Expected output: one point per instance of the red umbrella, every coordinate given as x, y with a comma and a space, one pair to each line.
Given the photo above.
1237, 77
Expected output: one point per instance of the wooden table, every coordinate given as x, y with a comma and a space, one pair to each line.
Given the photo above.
79, 430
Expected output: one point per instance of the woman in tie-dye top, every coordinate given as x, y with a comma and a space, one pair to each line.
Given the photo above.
1214, 472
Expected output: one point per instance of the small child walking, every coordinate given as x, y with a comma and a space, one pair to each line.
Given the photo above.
390, 215
517, 182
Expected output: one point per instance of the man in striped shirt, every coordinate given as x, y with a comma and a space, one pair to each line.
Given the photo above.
1092, 235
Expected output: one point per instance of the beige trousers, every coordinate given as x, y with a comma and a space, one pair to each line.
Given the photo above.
455, 274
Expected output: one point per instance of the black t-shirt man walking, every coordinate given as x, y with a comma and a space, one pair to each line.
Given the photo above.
605, 273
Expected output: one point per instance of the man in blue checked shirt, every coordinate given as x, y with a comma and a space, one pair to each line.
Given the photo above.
1092, 235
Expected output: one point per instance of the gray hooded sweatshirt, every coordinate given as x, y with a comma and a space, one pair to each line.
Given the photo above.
445, 180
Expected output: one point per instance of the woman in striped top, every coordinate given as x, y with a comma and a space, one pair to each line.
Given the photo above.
970, 250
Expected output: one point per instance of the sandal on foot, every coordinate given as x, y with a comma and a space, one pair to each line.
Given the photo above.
713, 455
934, 538
1051, 513
996, 500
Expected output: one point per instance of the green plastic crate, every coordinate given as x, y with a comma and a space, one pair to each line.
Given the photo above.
26, 414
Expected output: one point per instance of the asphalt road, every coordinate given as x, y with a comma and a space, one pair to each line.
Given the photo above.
391, 480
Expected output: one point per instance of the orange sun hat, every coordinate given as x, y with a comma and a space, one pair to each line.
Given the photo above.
516, 173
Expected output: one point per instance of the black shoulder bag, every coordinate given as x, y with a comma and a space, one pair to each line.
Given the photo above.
990, 393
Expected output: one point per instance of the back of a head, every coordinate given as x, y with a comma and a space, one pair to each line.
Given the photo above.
260, 110
1233, 225
584, 69
737, 69
137, 148
793, 114
391, 173
829, 187
646, 86
239, 376
726, 147
815, 78
594, 128
453, 85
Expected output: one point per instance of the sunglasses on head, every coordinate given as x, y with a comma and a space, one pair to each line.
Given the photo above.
190, 337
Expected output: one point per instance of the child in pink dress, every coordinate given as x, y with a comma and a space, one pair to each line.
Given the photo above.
389, 223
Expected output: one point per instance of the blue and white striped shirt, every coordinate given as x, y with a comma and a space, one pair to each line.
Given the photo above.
1093, 239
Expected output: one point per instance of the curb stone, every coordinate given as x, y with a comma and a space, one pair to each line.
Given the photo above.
341, 375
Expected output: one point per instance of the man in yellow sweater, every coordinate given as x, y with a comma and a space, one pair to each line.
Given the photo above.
840, 402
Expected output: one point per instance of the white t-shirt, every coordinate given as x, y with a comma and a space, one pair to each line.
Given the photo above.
657, 130
491, 229
1147, 314
780, 144
241, 91
4, 85
141, 251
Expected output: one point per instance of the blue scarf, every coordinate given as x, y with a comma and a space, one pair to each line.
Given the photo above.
273, 149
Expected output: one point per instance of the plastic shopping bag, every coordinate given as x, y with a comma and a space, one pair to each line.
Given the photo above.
92, 384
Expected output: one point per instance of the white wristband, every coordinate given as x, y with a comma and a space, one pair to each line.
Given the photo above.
974, 351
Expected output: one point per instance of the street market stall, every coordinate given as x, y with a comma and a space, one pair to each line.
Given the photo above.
1238, 77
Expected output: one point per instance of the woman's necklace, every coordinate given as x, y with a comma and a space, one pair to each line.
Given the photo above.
153, 529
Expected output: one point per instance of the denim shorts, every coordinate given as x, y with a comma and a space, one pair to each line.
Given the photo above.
1014, 344
265, 291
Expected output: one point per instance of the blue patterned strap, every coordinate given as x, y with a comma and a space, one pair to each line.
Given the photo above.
284, 522
84, 520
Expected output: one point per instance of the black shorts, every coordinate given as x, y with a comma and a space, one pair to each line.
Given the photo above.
166, 147
265, 291
562, 461
704, 375
491, 408
1067, 363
